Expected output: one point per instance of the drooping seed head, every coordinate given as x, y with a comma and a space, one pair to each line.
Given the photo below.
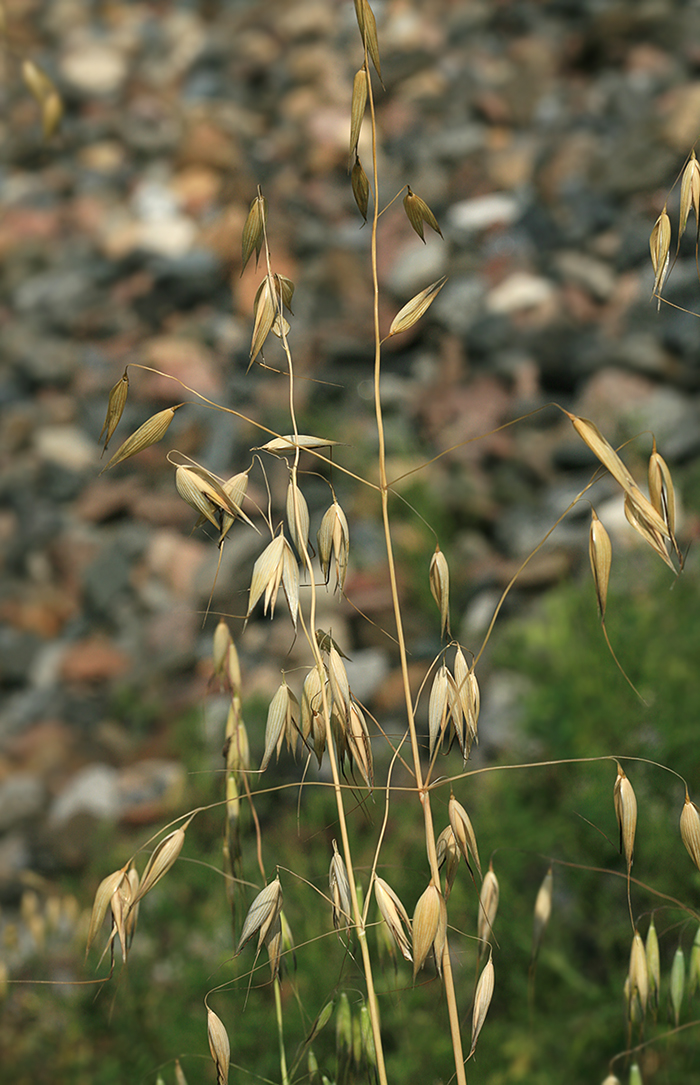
482, 1000
626, 812
219, 1046
600, 554
262, 914
439, 576
488, 906
394, 915
414, 309
426, 924
115, 408
418, 212
690, 829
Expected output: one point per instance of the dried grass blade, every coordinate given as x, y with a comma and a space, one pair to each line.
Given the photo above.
267, 571
438, 708
276, 722
297, 512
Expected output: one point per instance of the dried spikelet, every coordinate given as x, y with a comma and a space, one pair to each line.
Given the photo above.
276, 565
438, 707
488, 905
233, 800
426, 925
359, 182
677, 984
661, 491
115, 408
626, 812
180, 1078
339, 891
195, 493
600, 554
265, 309
690, 196
273, 944
651, 949
359, 745
37, 82
368, 31
220, 646
464, 832
261, 915
297, 517
635, 1075
357, 107
469, 697
51, 114
416, 307
219, 1046
233, 669
418, 212
611, 1079
281, 723
448, 853
439, 576
638, 975
237, 749
152, 431
311, 700
290, 442
543, 910
340, 687
482, 1000
254, 231
637, 518
285, 291
235, 489
394, 915
333, 538
694, 967
690, 829
160, 862
659, 246
103, 897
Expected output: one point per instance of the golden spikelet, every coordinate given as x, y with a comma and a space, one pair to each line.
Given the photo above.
690, 829
626, 813
600, 554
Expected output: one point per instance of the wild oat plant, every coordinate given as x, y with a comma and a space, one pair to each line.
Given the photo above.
380, 946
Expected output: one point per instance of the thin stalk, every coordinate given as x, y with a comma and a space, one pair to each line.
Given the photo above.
448, 978
280, 1032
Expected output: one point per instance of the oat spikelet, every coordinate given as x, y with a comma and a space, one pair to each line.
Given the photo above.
448, 854
677, 984
418, 212
152, 431
469, 699
297, 513
280, 446
482, 1001
219, 1046
262, 914
694, 968
115, 408
438, 707
220, 646
333, 539
339, 891
439, 576
368, 31
105, 890
464, 832
282, 723
690, 197
660, 246
276, 566
651, 948
359, 182
690, 829
626, 812
488, 905
635, 1075
638, 975
611, 1079
543, 911
162, 859
394, 915
600, 554
265, 308
638, 519
416, 307
357, 107
426, 924
254, 231
663, 495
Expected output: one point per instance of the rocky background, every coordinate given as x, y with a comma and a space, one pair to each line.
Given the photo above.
545, 137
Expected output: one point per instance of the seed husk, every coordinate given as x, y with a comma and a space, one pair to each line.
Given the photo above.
262, 914
160, 862
290, 442
425, 926
637, 518
297, 518
339, 891
638, 975
220, 646
219, 1046
438, 707
333, 538
662, 493
368, 31
416, 307
625, 804
153, 430
651, 948
359, 182
447, 852
543, 911
677, 984
469, 698
105, 890
276, 565
281, 723
464, 832
600, 554
660, 246
115, 408
690, 829
357, 107
482, 1000
394, 915
235, 489
488, 905
439, 576
254, 231
418, 212
265, 313
690, 197
359, 745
